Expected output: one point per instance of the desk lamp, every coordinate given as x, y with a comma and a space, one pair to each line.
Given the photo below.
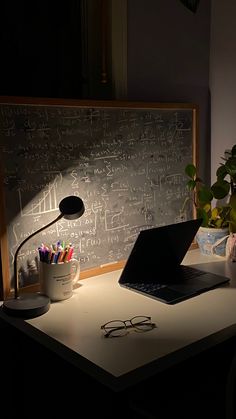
33, 305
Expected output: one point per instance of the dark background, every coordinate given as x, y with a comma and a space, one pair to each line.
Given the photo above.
41, 49
55, 49
46, 50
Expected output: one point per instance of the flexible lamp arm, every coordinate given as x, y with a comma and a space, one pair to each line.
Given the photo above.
16, 286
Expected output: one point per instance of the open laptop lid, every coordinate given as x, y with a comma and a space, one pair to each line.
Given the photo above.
159, 251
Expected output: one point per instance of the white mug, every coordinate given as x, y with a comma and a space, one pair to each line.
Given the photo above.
58, 279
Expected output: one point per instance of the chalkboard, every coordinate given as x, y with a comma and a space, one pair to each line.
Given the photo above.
124, 159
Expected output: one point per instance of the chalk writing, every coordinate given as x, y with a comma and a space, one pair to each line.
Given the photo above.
127, 164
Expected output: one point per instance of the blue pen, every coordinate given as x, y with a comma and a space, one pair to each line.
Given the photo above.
57, 257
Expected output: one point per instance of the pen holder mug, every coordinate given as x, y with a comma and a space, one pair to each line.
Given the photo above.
58, 279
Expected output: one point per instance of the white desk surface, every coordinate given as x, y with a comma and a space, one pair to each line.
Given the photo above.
72, 327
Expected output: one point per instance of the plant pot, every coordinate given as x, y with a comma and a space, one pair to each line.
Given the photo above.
207, 239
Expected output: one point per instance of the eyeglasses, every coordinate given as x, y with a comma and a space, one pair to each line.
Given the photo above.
116, 328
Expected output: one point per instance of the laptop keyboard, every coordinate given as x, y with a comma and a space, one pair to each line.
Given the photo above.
148, 288
186, 273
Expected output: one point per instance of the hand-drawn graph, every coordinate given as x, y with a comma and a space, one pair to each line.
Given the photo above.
46, 202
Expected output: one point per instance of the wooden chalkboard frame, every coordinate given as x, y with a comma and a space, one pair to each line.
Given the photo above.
5, 288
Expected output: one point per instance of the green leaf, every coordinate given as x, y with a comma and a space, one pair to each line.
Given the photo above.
190, 170
205, 195
202, 214
215, 213
191, 184
220, 189
230, 166
221, 172
219, 223
232, 224
232, 202
233, 151
207, 207
233, 215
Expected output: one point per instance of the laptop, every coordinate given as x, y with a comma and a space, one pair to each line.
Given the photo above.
154, 264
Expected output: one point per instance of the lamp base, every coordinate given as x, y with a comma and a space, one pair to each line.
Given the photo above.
27, 306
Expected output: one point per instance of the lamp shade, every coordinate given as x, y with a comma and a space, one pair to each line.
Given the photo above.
33, 305
71, 207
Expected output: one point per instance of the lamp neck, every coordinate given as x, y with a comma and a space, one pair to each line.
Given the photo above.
16, 282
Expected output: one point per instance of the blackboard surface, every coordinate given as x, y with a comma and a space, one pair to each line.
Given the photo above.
124, 159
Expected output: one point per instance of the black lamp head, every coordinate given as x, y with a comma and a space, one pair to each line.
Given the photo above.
71, 207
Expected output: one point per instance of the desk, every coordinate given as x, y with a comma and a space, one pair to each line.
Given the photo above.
72, 328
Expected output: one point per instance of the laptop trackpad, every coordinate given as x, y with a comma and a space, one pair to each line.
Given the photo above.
189, 286
168, 295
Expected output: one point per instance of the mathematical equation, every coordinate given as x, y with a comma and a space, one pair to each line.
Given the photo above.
126, 164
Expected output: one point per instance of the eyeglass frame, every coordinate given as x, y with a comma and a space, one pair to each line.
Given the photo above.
125, 327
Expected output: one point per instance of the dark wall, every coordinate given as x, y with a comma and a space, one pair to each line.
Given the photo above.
40, 48
168, 58
56, 52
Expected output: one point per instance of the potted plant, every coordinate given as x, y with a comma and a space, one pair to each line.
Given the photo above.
215, 204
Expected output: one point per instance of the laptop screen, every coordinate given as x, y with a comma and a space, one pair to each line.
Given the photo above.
158, 251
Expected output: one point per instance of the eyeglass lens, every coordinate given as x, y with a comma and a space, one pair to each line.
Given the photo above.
141, 323
115, 328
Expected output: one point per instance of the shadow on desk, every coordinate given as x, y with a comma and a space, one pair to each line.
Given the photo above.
195, 389
39, 384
